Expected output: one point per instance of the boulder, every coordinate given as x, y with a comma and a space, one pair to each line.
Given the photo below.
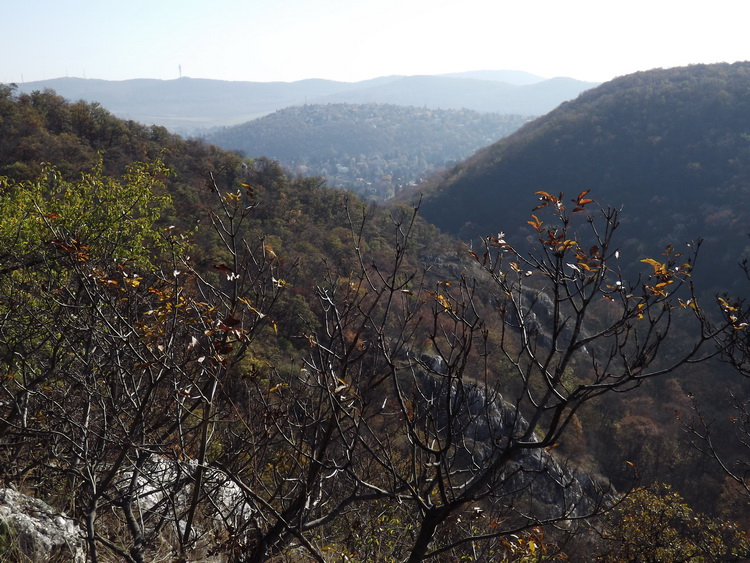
31, 530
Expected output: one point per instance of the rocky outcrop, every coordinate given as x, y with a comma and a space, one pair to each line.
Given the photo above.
31, 530
539, 315
484, 426
163, 487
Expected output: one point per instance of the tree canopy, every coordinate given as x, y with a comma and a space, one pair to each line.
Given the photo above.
201, 355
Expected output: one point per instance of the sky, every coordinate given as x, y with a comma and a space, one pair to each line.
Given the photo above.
352, 40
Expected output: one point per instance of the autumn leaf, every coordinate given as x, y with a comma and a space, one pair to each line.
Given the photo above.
444, 302
582, 200
536, 223
133, 281
545, 195
566, 245
689, 303
250, 191
659, 268
726, 306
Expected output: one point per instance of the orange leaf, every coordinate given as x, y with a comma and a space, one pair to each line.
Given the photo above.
545, 195
536, 223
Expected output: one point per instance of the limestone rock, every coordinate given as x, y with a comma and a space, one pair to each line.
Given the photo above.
34, 531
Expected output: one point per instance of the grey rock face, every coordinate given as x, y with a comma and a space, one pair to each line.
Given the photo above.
483, 426
164, 487
37, 532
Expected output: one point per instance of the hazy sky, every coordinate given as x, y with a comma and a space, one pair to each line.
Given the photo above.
350, 40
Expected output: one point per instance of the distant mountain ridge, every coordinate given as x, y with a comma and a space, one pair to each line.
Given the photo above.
487, 96
187, 104
517, 77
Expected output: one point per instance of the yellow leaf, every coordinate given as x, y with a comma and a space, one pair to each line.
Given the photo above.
566, 245
653, 262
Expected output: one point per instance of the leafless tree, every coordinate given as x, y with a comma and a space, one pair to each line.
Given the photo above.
397, 406
420, 422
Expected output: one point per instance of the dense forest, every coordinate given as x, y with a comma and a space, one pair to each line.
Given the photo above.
375, 150
668, 146
204, 357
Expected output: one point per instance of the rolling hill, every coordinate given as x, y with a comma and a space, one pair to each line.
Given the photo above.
187, 105
235, 319
671, 147
373, 149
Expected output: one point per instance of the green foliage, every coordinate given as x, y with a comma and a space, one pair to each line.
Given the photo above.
52, 228
94, 214
279, 344
655, 524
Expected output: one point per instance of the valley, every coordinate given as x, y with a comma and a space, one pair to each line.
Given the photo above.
368, 327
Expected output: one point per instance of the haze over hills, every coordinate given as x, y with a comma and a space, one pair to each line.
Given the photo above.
517, 77
185, 105
479, 95
359, 295
373, 149
669, 146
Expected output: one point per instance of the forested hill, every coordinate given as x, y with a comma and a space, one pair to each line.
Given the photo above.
672, 147
373, 149
188, 105
299, 216
204, 357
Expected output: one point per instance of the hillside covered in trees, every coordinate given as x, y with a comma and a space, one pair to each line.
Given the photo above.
192, 106
205, 357
668, 146
375, 150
